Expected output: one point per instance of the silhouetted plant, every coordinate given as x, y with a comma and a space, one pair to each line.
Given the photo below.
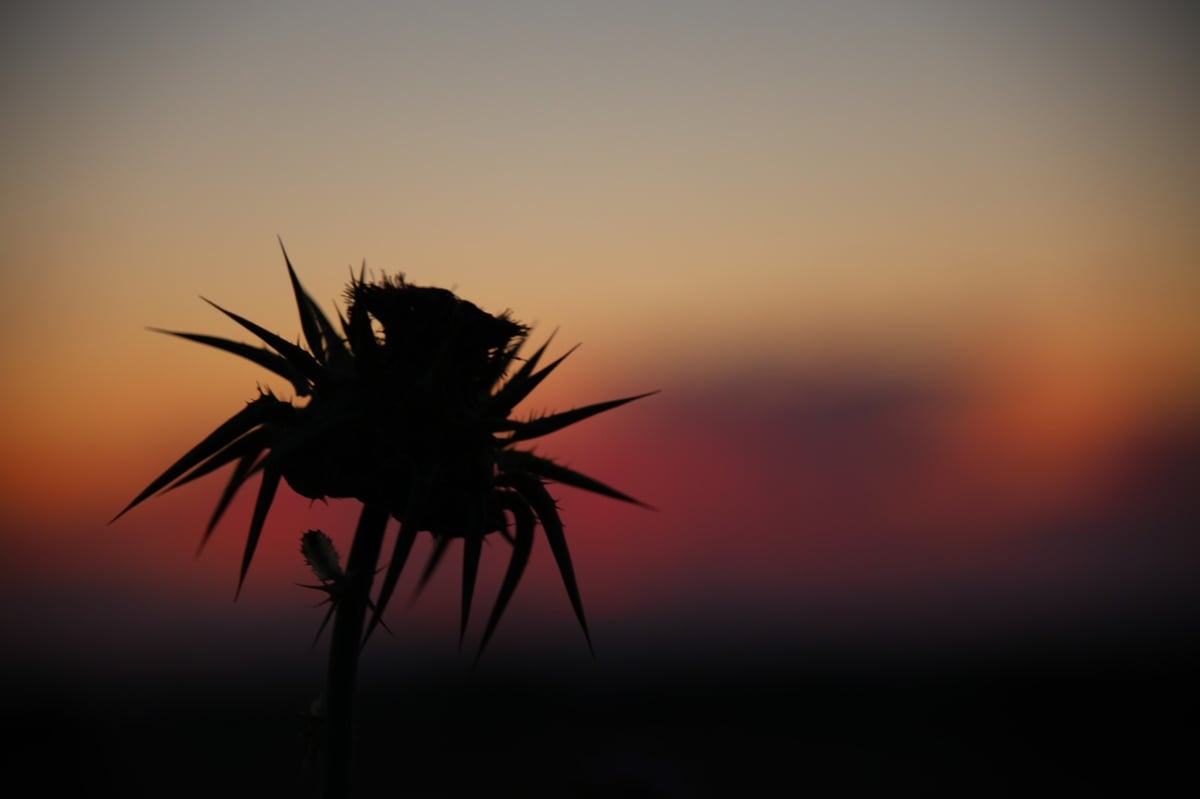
406, 406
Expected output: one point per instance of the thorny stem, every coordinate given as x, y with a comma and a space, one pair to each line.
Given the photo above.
344, 650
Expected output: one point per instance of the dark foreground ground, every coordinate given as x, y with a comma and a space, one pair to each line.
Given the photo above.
1067, 716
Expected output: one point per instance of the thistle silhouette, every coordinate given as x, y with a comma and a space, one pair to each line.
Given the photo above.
408, 409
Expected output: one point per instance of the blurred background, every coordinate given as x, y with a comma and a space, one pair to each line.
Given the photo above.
918, 281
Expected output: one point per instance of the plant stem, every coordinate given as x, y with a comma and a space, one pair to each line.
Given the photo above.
348, 622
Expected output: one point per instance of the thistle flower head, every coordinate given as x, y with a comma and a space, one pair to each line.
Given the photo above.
407, 404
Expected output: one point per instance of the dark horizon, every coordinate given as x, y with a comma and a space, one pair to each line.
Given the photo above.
1051, 714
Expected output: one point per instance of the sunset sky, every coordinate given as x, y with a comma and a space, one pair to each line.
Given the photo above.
918, 282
